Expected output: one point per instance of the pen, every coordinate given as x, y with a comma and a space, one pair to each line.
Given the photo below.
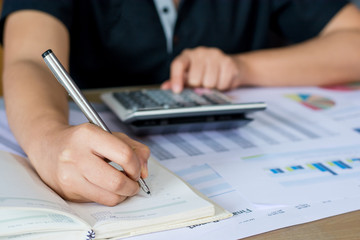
73, 90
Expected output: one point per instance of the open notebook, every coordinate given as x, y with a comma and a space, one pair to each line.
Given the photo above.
30, 210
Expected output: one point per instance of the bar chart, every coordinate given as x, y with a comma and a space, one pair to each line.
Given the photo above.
334, 167
269, 128
293, 177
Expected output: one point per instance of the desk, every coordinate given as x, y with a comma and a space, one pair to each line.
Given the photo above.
344, 226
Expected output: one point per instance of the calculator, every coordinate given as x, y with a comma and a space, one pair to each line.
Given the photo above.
149, 111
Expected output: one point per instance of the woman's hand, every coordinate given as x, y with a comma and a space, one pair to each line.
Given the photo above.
205, 67
72, 162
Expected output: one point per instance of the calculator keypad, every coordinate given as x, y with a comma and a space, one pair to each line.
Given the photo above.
166, 99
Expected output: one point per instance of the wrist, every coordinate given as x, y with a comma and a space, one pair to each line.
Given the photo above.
40, 136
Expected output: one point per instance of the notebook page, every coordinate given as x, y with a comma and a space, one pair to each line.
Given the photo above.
27, 204
171, 200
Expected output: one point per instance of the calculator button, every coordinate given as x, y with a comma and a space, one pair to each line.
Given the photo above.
153, 99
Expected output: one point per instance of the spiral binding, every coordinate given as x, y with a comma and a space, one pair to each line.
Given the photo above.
90, 235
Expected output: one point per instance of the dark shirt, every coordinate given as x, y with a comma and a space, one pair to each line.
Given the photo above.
122, 42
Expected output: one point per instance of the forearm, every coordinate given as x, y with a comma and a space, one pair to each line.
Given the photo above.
329, 59
35, 102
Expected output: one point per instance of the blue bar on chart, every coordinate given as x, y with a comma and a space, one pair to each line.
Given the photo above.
341, 164
322, 168
354, 160
294, 168
276, 170
289, 169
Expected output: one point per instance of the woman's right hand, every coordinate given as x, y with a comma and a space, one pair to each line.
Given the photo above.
71, 160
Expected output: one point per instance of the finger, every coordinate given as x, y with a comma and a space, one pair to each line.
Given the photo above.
196, 73
235, 82
78, 189
104, 175
104, 197
178, 68
141, 150
92, 193
211, 75
226, 76
166, 85
109, 146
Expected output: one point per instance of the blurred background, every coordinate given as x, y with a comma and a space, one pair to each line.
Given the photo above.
1, 60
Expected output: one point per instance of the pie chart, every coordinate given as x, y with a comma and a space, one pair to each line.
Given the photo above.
311, 101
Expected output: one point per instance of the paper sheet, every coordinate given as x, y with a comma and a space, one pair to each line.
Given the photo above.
302, 127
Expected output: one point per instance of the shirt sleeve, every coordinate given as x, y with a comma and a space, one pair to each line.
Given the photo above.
299, 20
357, 3
61, 9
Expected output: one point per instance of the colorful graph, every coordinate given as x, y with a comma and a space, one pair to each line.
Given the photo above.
344, 87
331, 167
311, 101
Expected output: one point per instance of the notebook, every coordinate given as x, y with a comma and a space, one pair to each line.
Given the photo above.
31, 210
